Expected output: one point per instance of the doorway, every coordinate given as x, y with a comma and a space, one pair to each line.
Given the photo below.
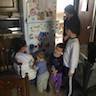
60, 6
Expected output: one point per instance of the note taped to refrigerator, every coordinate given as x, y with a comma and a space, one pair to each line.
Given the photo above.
34, 29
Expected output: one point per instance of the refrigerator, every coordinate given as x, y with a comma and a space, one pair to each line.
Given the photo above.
40, 25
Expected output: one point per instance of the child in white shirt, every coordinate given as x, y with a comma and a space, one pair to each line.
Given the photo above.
25, 59
71, 54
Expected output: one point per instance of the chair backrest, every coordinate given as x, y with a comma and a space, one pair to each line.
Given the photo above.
14, 86
7, 67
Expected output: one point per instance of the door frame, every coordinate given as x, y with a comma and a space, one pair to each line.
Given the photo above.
91, 39
92, 33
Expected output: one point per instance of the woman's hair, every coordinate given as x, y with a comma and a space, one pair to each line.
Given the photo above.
73, 27
70, 9
74, 23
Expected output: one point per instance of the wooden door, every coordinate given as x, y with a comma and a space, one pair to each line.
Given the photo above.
86, 17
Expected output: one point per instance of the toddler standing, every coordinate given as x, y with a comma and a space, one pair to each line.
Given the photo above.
42, 71
56, 61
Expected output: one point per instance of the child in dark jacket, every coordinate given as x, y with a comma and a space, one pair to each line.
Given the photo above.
56, 66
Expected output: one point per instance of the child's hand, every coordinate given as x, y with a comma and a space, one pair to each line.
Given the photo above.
65, 38
54, 70
70, 74
34, 67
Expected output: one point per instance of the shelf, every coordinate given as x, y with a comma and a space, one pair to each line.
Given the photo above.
11, 35
9, 18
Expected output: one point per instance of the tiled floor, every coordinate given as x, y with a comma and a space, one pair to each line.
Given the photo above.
34, 92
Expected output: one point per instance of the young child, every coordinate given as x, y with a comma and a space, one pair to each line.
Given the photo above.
25, 58
56, 62
42, 72
71, 55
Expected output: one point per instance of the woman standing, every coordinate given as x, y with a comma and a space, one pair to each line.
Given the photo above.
71, 16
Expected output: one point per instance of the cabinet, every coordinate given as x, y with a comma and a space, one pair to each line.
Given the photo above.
8, 5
